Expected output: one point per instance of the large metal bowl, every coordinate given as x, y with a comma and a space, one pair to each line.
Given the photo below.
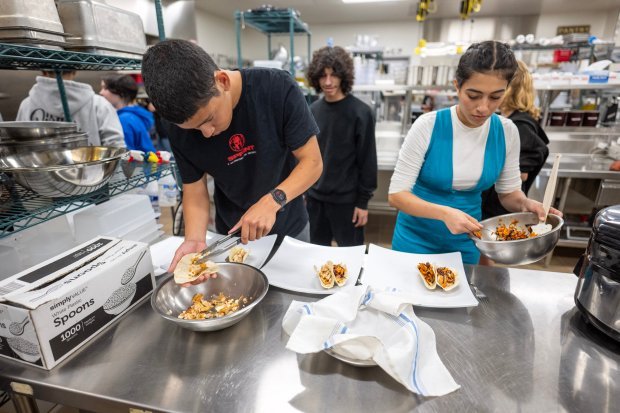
35, 130
518, 252
64, 172
233, 280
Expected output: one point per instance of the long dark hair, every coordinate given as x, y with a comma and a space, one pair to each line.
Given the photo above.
485, 57
335, 58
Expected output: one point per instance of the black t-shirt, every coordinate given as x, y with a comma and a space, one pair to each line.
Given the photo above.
253, 155
347, 142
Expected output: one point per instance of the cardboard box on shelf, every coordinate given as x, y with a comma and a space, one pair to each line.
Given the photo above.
51, 310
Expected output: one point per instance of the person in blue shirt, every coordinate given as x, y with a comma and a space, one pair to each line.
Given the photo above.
121, 92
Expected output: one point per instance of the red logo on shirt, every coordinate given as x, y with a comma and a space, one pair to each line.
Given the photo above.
237, 145
236, 142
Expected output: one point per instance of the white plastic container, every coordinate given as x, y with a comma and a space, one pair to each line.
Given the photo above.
42, 241
112, 216
167, 191
11, 261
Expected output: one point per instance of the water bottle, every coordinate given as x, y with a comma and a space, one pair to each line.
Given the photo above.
167, 191
152, 191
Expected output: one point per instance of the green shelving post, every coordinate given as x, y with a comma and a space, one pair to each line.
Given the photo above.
281, 21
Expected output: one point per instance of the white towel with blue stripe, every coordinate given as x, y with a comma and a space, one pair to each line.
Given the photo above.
365, 324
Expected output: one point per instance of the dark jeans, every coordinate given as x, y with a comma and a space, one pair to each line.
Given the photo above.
333, 221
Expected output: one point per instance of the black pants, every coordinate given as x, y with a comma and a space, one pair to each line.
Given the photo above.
333, 221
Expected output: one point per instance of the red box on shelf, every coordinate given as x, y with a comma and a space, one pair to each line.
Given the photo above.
562, 55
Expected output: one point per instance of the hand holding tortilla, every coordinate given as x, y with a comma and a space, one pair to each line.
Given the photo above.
187, 247
188, 271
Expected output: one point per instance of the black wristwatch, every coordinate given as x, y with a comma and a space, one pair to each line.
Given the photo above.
279, 196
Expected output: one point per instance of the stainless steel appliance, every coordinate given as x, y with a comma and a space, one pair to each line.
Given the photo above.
597, 294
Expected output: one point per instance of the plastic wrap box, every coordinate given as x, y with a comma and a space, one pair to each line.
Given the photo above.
49, 311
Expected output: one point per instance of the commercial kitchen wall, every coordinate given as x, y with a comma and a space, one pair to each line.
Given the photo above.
217, 35
602, 23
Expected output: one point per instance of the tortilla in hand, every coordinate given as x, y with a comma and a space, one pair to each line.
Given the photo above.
187, 271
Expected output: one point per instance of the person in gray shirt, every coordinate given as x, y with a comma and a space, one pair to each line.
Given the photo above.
92, 113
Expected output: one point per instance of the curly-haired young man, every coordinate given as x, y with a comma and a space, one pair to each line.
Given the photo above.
338, 203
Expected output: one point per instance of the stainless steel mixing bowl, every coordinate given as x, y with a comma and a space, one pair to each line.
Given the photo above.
35, 130
64, 172
518, 252
233, 280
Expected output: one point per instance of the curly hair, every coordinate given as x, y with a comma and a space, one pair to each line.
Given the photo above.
520, 94
486, 57
122, 85
335, 58
178, 78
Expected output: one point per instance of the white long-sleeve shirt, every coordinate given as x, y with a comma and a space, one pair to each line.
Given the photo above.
467, 154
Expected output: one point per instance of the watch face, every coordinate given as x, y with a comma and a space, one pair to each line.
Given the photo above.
279, 196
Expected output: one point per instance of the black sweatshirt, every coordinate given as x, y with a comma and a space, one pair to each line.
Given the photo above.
532, 158
347, 142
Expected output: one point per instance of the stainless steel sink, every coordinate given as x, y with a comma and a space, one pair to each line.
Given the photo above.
578, 146
581, 162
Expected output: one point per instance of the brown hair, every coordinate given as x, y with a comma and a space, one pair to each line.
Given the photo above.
122, 85
520, 94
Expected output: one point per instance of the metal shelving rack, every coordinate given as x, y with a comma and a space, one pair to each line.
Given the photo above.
21, 208
548, 93
13, 56
272, 22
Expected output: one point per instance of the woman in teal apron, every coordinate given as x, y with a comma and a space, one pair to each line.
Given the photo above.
434, 217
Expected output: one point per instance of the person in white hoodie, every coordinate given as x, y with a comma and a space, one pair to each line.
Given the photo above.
92, 113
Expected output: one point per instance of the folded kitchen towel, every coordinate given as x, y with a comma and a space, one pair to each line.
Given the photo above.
365, 324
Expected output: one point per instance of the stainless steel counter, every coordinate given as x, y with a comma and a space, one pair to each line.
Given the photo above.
582, 166
524, 348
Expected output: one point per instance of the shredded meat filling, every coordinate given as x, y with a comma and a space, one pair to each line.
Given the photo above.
218, 306
512, 232
445, 277
427, 271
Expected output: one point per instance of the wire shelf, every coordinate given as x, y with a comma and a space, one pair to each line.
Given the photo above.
273, 21
14, 56
21, 208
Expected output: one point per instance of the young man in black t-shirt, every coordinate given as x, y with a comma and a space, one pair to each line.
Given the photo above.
338, 202
251, 130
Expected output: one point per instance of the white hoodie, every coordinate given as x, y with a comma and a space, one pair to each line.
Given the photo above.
92, 113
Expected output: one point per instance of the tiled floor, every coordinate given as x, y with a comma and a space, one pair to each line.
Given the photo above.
379, 232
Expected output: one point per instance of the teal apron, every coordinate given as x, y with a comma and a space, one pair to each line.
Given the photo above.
434, 184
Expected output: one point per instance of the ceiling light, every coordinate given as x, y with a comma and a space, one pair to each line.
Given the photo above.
367, 1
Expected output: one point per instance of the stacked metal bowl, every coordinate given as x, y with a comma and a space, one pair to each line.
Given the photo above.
26, 137
64, 172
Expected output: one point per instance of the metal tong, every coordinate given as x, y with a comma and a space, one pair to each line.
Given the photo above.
218, 247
